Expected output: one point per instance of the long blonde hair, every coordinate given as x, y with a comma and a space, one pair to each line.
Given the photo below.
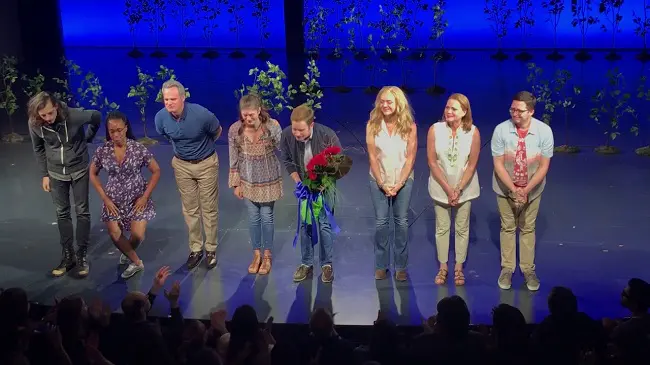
403, 115
467, 121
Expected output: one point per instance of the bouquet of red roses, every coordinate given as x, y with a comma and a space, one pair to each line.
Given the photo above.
322, 172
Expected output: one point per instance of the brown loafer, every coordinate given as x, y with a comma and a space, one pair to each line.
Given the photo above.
401, 275
380, 274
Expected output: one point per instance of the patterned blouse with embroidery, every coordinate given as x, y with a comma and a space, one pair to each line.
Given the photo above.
255, 167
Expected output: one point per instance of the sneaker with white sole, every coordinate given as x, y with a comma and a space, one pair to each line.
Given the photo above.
505, 279
531, 279
132, 269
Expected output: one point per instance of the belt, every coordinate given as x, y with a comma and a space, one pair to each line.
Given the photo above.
196, 161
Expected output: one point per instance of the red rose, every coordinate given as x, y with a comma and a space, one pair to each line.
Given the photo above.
312, 175
319, 160
333, 150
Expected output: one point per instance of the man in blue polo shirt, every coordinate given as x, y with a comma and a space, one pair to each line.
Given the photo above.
192, 130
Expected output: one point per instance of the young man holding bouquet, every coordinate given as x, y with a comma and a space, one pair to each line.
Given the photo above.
300, 142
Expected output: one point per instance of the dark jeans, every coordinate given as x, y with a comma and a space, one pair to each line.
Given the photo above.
60, 191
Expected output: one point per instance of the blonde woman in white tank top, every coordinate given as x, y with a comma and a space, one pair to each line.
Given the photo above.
453, 147
391, 136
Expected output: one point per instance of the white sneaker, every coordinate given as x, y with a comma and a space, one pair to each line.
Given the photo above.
132, 269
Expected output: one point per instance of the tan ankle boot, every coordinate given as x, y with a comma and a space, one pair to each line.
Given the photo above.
254, 267
266, 263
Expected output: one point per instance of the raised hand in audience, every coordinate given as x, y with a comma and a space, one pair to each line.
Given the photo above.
218, 321
174, 294
160, 279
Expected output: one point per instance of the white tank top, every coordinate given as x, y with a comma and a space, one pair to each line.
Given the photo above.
391, 155
453, 157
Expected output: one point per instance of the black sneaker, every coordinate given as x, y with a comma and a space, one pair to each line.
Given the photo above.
211, 259
194, 259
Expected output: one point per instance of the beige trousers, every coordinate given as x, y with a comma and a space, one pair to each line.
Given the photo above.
443, 225
524, 218
198, 184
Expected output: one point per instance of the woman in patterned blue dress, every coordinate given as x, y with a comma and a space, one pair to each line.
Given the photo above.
126, 195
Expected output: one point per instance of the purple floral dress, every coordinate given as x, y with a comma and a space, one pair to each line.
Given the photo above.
125, 182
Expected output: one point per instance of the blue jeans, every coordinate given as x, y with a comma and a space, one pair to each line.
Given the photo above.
260, 224
326, 237
400, 204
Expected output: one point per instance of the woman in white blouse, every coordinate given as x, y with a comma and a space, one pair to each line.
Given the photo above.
391, 136
453, 147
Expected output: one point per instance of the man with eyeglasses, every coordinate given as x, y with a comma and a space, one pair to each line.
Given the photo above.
522, 148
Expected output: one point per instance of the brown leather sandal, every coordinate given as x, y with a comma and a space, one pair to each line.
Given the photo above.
254, 267
441, 277
459, 278
265, 268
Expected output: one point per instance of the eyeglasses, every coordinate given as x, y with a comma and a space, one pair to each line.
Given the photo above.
517, 111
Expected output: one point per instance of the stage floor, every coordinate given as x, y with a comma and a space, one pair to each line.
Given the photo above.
592, 236
592, 231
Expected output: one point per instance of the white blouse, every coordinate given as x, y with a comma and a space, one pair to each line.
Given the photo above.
453, 158
391, 155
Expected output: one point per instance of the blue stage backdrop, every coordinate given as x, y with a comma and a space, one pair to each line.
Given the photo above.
468, 25
102, 23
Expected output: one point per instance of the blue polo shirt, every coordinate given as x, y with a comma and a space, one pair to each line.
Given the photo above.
193, 135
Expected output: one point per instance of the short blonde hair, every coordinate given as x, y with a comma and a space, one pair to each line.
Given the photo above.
303, 113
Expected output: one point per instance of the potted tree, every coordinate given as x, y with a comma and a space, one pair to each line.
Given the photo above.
436, 89
376, 64
643, 94
165, 74
438, 28
337, 33
357, 26
33, 85
498, 13
261, 13
269, 85
542, 90
8, 99
236, 22
154, 13
565, 95
418, 7
183, 11
524, 23
388, 25
209, 11
309, 88
611, 10
133, 14
554, 8
583, 19
613, 104
642, 23
141, 92
64, 92
315, 24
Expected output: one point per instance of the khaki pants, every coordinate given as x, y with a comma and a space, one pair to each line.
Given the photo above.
198, 184
524, 218
443, 225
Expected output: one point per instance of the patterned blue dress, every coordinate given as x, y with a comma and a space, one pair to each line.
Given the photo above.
125, 182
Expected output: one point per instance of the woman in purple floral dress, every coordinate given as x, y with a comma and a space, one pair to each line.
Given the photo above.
126, 196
